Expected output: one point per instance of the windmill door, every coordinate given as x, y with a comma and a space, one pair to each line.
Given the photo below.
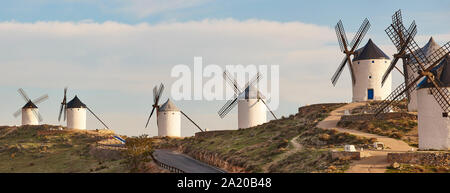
370, 94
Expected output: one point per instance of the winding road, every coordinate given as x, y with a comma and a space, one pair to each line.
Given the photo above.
184, 162
377, 161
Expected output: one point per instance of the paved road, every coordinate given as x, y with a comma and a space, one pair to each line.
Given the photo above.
377, 162
184, 162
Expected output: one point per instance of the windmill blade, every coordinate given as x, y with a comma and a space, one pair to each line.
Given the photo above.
114, 136
397, 18
232, 82
63, 105
65, 112
394, 98
148, 120
17, 113
338, 72
24, 95
267, 106
360, 34
388, 71
255, 79
232, 102
402, 91
441, 95
192, 121
227, 104
40, 99
352, 72
439, 54
155, 94
159, 93
37, 115
342, 37
97, 118
228, 108
60, 112
401, 50
160, 90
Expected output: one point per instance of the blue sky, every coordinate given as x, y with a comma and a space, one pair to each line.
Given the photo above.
112, 52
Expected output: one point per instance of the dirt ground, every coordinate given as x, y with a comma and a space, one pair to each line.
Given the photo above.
377, 161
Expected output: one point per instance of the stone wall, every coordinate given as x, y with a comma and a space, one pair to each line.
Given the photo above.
421, 158
385, 116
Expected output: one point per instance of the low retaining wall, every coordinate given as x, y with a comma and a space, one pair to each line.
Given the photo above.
367, 117
421, 158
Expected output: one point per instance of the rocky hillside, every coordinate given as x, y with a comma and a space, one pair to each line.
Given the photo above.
270, 147
47, 148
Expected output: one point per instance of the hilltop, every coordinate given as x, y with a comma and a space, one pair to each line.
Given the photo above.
55, 149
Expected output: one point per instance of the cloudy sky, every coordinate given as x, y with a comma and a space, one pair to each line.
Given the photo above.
112, 52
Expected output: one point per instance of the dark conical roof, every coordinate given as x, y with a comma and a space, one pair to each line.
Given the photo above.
75, 103
251, 92
441, 72
168, 106
369, 51
29, 105
428, 49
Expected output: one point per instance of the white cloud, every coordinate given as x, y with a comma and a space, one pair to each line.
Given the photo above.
144, 8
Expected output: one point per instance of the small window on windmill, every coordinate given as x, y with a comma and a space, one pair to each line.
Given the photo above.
430, 92
370, 77
358, 62
373, 61
445, 114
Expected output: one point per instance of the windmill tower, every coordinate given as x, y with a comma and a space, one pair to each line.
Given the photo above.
252, 109
75, 114
169, 120
168, 116
30, 112
433, 95
367, 66
433, 124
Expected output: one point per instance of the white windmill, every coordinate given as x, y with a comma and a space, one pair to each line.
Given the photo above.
75, 114
168, 116
396, 33
433, 92
433, 124
252, 109
367, 67
30, 112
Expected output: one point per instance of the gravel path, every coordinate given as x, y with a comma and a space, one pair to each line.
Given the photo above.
377, 162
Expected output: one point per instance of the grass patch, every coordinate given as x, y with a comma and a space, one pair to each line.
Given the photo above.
403, 128
26, 149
